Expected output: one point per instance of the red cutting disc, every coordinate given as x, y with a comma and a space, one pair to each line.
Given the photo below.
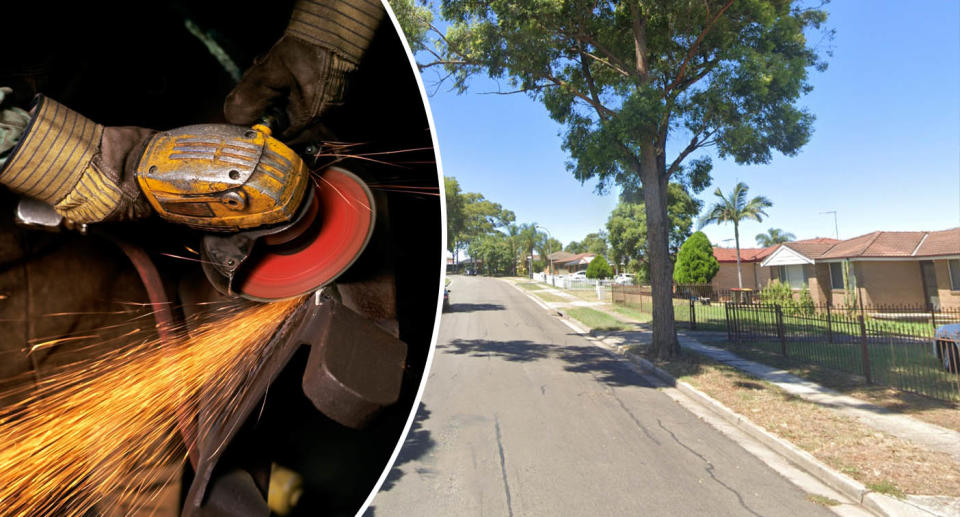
346, 215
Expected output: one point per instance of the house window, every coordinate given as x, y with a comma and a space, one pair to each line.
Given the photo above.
836, 275
954, 267
795, 275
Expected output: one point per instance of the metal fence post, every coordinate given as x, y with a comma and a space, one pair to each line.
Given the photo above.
780, 330
693, 315
726, 315
829, 325
864, 354
933, 317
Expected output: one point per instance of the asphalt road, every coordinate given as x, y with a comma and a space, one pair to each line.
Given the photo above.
522, 416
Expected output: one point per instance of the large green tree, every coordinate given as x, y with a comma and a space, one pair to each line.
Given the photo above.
627, 226
625, 78
456, 222
734, 208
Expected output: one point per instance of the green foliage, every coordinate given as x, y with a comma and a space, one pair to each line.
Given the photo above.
599, 268
777, 292
733, 209
492, 251
781, 294
695, 261
456, 222
414, 21
774, 236
539, 265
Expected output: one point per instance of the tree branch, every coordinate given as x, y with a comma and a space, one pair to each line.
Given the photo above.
576, 93
696, 45
695, 143
591, 85
640, 42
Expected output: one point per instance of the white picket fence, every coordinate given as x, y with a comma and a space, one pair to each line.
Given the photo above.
567, 282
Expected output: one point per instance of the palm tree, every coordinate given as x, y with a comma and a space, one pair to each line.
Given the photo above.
733, 209
513, 235
529, 239
774, 236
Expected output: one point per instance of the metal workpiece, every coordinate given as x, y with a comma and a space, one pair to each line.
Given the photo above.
219, 177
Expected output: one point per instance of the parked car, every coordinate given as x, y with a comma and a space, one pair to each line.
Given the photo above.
946, 344
579, 275
624, 279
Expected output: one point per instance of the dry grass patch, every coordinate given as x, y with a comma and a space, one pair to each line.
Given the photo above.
530, 286
875, 459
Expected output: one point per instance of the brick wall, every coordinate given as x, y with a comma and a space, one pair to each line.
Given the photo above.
890, 283
949, 299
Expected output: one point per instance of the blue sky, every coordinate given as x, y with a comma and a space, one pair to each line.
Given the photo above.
885, 152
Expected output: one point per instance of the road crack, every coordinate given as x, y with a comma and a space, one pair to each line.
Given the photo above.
709, 468
503, 465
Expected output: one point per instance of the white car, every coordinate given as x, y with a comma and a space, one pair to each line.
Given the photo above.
625, 279
946, 345
579, 275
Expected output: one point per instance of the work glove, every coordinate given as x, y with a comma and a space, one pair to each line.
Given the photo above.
212, 177
13, 121
81, 168
309, 68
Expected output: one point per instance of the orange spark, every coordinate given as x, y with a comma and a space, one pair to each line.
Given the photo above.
102, 431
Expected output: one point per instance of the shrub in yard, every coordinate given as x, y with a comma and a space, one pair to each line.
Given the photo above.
599, 268
805, 305
777, 292
695, 261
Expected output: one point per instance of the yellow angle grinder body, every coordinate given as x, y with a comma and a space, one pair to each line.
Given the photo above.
272, 228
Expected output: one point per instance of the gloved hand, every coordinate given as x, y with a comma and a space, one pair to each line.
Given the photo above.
13, 121
309, 67
212, 177
83, 169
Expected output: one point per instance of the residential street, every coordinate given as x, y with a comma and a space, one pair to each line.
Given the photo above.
521, 416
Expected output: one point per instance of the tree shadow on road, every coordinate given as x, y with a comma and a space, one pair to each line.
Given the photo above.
417, 445
474, 307
586, 359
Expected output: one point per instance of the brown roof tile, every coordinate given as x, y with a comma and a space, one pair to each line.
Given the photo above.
946, 242
746, 254
811, 248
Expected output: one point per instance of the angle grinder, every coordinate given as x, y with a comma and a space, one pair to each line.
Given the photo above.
272, 228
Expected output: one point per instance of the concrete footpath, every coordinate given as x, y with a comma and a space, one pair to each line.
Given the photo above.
923, 434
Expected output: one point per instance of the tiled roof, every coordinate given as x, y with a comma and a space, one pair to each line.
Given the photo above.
746, 254
883, 245
811, 248
560, 256
576, 258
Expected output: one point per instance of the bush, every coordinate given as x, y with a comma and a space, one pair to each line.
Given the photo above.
695, 261
777, 292
599, 268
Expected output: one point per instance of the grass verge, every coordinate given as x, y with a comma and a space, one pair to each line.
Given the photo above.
642, 317
549, 297
931, 410
530, 286
893, 465
597, 320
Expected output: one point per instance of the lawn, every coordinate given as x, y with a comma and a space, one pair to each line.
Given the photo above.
597, 320
549, 297
629, 312
531, 286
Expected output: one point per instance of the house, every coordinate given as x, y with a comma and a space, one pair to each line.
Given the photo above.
753, 278
564, 263
883, 268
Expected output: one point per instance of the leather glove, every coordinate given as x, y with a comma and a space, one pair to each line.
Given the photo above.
81, 168
13, 121
309, 67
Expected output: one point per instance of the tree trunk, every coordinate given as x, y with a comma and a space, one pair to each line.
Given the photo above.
736, 239
654, 180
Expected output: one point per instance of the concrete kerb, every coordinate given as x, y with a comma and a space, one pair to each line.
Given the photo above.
879, 504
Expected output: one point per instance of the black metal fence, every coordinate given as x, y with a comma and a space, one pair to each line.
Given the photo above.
890, 346
886, 345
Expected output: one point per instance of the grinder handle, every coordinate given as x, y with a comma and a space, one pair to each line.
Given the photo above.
273, 121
